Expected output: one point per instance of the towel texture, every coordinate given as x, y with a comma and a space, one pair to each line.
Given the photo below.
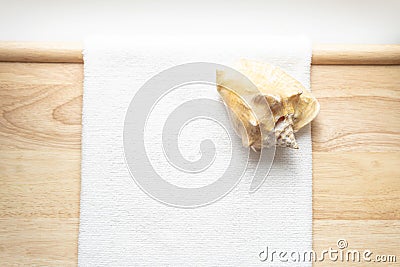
120, 225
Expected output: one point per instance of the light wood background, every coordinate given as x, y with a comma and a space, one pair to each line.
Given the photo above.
356, 153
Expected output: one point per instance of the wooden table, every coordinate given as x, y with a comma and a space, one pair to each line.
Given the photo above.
356, 150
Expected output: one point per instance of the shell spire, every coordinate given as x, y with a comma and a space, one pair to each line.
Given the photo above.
284, 133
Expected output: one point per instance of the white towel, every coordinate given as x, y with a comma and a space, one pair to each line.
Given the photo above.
120, 225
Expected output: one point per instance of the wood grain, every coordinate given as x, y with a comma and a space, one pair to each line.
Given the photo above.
323, 54
356, 150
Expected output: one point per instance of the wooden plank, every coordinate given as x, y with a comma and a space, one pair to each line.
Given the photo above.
360, 108
381, 237
338, 54
323, 54
39, 52
41, 105
41, 182
36, 241
356, 185
355, 141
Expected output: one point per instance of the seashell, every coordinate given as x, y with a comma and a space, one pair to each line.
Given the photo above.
291, 105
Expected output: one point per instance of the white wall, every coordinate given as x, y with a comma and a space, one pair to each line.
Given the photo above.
368, 21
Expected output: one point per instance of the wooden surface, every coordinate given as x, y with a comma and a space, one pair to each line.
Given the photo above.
323, 54
356, 156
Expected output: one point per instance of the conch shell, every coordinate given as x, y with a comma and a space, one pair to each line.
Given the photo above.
291, 105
